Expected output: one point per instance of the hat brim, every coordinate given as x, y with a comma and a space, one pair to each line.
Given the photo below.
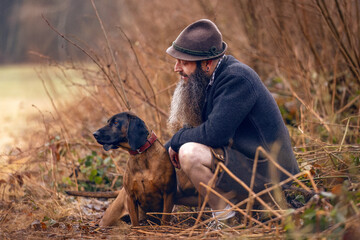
187, 57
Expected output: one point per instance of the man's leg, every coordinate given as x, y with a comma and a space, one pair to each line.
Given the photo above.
195, 160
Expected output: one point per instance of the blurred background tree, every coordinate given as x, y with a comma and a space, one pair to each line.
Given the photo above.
307, 52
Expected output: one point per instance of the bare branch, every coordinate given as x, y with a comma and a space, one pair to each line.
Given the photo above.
112, 55
87, 54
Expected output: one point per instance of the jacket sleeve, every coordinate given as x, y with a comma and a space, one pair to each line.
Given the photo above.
233, 99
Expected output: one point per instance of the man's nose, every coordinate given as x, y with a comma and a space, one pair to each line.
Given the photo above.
177, 67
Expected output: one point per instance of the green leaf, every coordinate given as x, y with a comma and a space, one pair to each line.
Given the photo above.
93, 173
300, 198
98, 180
101, 172
88, 161
46, 218
66, 180
85, 170
99, 161
81, 160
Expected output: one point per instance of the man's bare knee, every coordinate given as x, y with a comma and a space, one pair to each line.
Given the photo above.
188, 155
193, 155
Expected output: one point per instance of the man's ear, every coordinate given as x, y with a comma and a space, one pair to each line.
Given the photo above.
137, 132
206, 65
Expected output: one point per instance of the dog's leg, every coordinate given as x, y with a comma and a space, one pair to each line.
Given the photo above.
116, 210
142, 214
168, 207
133, 211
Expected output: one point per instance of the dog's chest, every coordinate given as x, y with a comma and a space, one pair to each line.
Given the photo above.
149, 177
146, 189
144, 181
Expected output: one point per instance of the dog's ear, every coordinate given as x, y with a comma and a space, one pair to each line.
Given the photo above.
137, 132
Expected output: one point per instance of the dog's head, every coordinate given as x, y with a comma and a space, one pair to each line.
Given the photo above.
122, 130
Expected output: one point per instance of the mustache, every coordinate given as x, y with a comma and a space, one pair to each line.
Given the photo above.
183, 74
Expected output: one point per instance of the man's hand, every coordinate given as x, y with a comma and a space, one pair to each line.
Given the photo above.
174, 157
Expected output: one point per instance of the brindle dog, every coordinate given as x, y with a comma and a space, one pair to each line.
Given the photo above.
150, 179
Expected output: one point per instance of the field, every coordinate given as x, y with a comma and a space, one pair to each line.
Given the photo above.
23, 96
18, 87
306, 53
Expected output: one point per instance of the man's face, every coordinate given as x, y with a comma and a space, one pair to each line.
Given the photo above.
185, 68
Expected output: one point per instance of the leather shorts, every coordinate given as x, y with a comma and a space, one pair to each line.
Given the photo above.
241, 166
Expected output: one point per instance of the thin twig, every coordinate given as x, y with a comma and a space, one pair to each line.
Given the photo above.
306, 105
252, 181
87, 54
347, 32
112, 56
262, 202
346, 130
349, 104
330, 23
145, 100
145, 76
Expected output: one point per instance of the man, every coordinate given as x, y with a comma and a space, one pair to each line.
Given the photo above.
221, 111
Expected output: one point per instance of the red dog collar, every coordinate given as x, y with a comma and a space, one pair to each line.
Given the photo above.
148, 144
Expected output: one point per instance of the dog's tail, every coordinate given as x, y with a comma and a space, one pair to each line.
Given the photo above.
93, 194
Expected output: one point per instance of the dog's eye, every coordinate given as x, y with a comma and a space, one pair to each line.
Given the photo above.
115, 123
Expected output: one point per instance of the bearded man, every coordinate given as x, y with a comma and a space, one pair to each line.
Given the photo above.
222, 112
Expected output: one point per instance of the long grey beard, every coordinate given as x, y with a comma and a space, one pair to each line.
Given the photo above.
188, 101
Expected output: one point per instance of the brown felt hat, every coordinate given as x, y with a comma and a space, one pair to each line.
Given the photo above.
200, 40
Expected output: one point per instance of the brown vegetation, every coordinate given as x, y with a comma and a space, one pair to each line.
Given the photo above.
307, 53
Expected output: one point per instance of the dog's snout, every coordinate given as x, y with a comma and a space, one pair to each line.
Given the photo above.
96, 134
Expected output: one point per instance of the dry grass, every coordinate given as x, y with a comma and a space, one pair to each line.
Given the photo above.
306, 52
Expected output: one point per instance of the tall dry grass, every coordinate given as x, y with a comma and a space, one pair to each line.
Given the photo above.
307, 53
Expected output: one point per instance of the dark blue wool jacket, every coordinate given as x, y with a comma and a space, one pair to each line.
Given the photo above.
240, 111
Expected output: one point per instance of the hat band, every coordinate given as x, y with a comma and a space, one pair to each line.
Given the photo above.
211, 52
